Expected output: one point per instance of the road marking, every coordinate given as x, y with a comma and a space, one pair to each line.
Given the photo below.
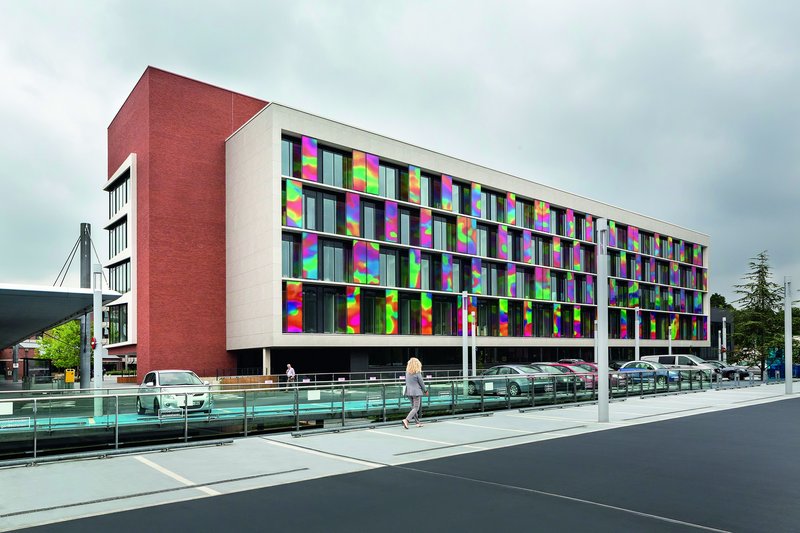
173, 475
298, 448
565, 497
409, 437
487, 427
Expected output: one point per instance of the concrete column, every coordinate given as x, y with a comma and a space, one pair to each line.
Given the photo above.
15, 363
266, 361
86, 283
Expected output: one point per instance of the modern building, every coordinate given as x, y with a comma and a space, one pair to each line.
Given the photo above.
247, 234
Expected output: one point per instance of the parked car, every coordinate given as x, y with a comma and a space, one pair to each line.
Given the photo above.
691, 366
514, 380
617, 379
571, 361
585, 376
650, 371
173, 389
729, 371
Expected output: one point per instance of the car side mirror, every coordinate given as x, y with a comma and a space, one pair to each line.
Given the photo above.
206, 382
149, 384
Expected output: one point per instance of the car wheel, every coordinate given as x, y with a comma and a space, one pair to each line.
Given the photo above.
661, 381
139, 407
513, 389
472, 389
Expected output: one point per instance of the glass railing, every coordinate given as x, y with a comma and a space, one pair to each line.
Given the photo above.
33, 426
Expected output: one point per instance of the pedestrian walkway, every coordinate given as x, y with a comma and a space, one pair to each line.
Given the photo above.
558, 458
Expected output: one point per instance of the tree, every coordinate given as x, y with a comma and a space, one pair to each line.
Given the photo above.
759, 321
718, 301
62, 345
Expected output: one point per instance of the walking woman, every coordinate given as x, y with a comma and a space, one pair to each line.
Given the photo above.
415, 388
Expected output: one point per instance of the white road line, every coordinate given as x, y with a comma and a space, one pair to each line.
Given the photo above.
430, 440
570, 498
488, 427
173, 475
322, 454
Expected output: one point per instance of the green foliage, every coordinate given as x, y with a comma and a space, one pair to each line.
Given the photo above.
759, 319
62, 345
718, 301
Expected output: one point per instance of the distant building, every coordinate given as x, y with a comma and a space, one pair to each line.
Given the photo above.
27, 349
246, 234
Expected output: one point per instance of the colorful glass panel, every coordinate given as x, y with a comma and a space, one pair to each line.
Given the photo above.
462, 234
503, 307
589, 290
447, 192
638, 274
623, 264
612, 292
359, 261
557, 320
623, 324
359, 171
390, 227
527, 318
675, 277
612, 233
476, 200
414, 256
557, 252
633, 294
426, 313
477, 282
576, 322
352, 214
391, 312
570, 287
373, 166
527, 247
294, 204
373, 264
676, 325
570, 223
309, 158
657, 244
353, 309
576, 256
589, 236
502, 242
310, 262
414, 185
511, 208
425, 228
447, 272
472, 247
511, 280
294, 307
652, 270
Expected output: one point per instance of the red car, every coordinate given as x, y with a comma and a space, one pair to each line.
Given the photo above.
617, 380
585, 375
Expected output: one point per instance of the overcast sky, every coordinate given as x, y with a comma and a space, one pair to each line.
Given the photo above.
684, 111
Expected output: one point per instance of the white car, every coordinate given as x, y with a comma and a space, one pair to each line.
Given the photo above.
173, 389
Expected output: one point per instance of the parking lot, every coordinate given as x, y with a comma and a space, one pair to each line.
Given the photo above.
712, 460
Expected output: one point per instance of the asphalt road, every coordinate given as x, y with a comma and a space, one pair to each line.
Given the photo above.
731, 470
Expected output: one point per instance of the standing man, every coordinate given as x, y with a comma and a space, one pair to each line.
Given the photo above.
291, 376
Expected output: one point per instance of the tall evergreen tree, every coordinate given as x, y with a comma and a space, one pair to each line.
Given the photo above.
759, 321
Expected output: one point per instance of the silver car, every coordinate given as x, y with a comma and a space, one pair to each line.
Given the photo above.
173, 389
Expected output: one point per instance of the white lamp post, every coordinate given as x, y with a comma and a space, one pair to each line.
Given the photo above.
601, 333
787, 327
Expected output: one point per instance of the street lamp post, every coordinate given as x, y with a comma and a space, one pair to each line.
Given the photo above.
787, 327
474, 344
725, 340
638, 334
601, 333
464, 333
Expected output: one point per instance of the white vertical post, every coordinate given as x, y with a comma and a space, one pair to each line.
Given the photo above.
474, 344
97, 310
719, 345
595, 342
787, 328
725, 339
601, 333
638, 323
465, 332
669, 339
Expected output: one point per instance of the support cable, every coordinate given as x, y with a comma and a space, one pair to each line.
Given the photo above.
67, 264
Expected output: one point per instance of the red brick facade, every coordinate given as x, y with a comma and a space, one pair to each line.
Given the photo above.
177, 127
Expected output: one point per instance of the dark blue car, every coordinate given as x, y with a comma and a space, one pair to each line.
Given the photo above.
649, 371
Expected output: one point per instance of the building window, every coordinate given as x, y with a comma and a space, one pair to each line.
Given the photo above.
117, 324
387, 182
117, 238
310, 309
388, 268
368, 224
334, 309
118, 195
120, 277
333, 262
425, 190
444, 322
290, 256
425, 272
373, 312
309, 209
336, 168
405, 226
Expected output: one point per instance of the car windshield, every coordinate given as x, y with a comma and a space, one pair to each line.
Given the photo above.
555, 369
585, 366
179, 378
577, 369
529, 369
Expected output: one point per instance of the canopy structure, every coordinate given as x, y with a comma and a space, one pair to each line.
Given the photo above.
28, 309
